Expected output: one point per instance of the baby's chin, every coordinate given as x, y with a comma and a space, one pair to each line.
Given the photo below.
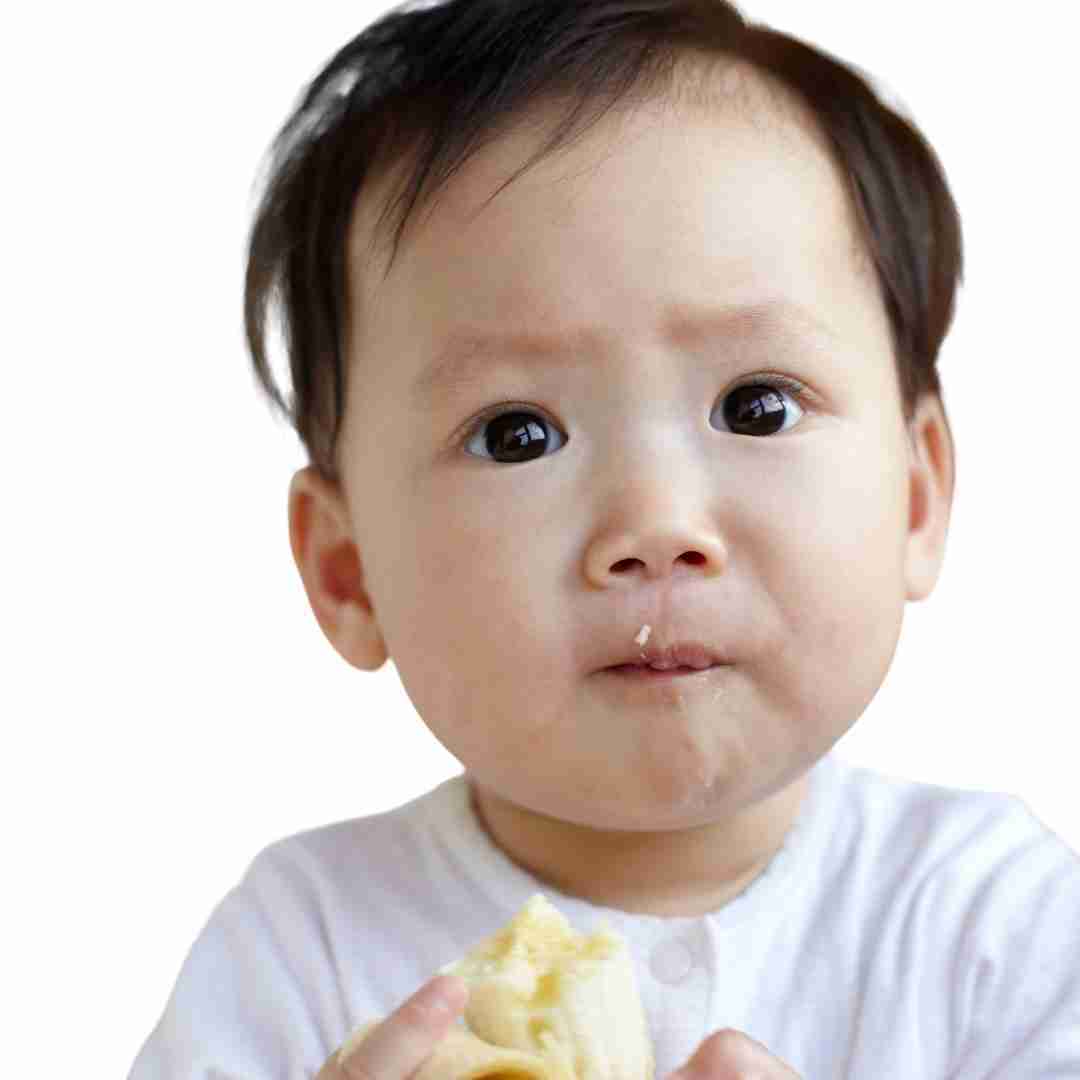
651, 800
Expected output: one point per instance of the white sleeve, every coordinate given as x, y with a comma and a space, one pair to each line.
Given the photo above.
257, 997
1020, 965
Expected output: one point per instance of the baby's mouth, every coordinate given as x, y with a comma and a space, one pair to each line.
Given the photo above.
645, 671
678, 660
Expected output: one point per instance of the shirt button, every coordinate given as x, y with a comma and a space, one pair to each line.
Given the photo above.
671, 962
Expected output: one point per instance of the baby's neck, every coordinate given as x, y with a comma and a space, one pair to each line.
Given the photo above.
681, 873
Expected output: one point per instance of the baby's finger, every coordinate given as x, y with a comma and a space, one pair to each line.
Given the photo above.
733, 1055
407, 1037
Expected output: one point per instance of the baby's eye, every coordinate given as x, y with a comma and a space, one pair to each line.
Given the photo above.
514, 436
758, 408
517, 434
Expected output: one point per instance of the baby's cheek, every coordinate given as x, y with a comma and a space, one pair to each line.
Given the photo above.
836, 618
847, 653
836, 631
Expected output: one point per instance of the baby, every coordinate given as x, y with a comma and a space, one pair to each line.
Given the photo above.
613, 331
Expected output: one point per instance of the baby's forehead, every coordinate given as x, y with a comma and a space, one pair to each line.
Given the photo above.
699, 87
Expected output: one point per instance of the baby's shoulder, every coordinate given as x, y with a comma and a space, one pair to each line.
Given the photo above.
387, 847
955, 844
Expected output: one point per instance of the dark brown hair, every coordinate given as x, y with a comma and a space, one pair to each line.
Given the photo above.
430, 84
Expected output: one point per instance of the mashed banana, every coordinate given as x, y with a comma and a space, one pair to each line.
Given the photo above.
545, 1003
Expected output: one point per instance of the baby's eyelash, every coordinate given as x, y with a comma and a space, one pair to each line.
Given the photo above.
782, 382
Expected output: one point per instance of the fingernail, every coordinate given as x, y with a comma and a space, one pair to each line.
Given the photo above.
448, 993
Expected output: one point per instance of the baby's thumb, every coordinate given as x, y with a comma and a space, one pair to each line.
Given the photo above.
733, 1055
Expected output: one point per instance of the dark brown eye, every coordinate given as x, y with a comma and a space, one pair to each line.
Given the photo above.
516, 436
757, 409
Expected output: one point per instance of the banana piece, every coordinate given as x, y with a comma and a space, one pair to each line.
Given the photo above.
545, 1003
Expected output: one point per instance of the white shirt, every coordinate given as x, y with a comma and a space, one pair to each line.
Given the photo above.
905, 930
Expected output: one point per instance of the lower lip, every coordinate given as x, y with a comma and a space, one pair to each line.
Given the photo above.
632, 673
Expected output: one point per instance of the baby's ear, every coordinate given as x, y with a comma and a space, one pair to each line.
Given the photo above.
932, 481
325, 553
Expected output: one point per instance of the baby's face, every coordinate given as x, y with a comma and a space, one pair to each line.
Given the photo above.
510, 561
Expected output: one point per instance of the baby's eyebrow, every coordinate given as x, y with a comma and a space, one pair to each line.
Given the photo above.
469, 353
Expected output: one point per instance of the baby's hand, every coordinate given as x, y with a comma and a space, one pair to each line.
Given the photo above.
731, 1055
402, 1042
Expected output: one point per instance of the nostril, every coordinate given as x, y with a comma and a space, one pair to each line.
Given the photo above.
694, 558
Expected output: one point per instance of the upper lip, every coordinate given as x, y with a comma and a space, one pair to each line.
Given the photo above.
693, 654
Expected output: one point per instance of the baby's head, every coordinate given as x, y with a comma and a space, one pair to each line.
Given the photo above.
547, 367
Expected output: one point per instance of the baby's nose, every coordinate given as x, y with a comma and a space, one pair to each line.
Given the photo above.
651, 553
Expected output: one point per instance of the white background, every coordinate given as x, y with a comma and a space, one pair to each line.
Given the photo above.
169, 703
